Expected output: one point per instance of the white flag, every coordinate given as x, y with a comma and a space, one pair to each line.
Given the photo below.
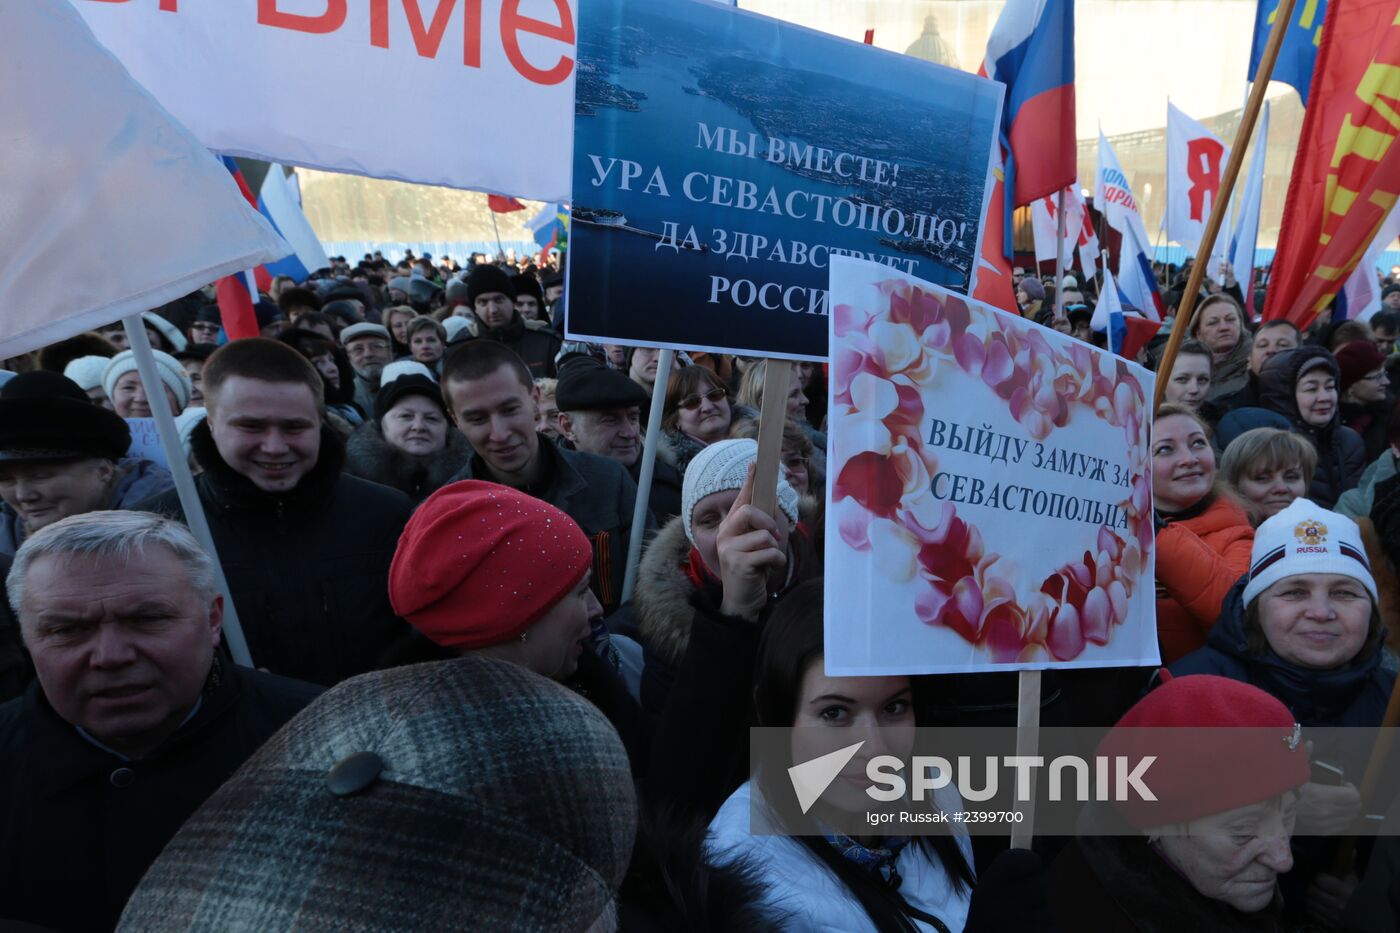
1362, 291
1246, 233
110, 206
1196, 160
1079, 231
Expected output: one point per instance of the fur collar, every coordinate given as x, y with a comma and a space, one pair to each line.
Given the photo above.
663, 593
369, 456
662, 598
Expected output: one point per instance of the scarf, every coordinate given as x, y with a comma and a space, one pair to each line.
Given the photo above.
879, 861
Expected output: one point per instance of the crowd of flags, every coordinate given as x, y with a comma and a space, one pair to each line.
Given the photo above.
1343, 203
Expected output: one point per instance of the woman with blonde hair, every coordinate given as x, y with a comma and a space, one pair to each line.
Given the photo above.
1268, 468
1219, 324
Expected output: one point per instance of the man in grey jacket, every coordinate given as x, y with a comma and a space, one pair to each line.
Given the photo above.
493, 401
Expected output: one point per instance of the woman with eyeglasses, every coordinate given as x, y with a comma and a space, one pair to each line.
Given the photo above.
697, 412
1366, 398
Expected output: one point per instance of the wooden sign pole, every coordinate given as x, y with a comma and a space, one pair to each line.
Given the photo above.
1220, 205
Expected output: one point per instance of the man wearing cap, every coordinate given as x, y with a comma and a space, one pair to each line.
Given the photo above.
370, 350
305, 547
133, 718
494, 402
491, 295
529, 297
61, 455
600, 413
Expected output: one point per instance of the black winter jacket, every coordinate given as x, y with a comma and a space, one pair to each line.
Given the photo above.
537, 346
308, 570
79, 826
369, 456
1341, 455
594, 491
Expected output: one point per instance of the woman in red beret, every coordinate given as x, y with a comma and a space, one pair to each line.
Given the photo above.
486, 569
1207, 853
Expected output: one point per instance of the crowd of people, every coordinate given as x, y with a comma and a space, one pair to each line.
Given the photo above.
422, 498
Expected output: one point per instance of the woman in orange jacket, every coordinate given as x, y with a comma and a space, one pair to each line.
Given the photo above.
1203, 536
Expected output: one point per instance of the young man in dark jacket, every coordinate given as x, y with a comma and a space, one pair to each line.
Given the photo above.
305, 547
132, 721
493, 401
491, 297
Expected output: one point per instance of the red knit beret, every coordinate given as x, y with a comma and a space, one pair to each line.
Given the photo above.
1355, 360
478, 564
1220, 744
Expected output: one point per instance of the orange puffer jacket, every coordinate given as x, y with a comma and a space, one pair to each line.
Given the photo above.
1198, 560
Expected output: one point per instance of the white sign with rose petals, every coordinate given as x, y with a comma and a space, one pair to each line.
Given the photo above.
988, 491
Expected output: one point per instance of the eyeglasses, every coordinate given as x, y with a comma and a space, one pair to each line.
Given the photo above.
1378, 376
363, 347
692, 402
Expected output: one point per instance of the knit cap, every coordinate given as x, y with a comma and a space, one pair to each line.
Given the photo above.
1219, 744
169, 368
1033, 288
87, 371
1355, 360
169, 331
1306, 538
720, 467
487, 279
478, 563
455, 327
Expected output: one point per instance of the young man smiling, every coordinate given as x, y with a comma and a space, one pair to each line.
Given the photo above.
492, 399
305, 547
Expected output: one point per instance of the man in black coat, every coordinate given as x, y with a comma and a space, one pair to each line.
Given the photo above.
304, 546
494, 402
132, 720
1271, 339
491, 297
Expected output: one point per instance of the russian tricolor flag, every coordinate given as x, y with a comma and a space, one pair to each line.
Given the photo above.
282, 208
1128, 332
1031, 51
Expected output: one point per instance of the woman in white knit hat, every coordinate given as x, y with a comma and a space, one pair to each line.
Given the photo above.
681, 564
1303, 625
123, 384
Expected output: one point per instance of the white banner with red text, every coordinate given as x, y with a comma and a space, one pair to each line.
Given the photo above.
468, 95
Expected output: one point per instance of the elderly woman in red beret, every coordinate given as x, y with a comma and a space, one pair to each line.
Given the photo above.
1207, 852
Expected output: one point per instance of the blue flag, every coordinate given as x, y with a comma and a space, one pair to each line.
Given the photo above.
1299, 50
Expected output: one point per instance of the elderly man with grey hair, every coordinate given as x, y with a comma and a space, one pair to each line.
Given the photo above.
133, 719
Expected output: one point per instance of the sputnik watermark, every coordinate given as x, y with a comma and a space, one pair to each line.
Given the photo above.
1118, 778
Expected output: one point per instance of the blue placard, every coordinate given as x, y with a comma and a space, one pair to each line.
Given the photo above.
721, 158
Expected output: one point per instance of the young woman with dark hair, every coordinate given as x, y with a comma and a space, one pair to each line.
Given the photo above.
821, 878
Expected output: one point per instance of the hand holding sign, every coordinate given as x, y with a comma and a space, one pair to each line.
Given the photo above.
750, 550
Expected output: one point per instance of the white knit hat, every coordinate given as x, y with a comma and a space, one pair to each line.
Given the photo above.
720, 467
454, 327
171, 373
1306, 538
404, 368
87, 371
169, 331
185, 422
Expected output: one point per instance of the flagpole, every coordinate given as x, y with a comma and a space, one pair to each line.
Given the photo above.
1227, 186
649, 447
500, 250
184, 481
1060, 257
